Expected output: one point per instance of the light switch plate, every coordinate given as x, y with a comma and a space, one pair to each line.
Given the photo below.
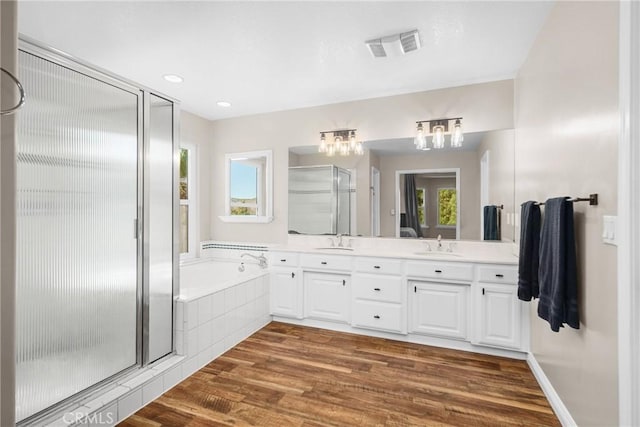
609, 226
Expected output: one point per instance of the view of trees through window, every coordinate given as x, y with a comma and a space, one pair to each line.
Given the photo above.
184, 200
422, 207
447, 207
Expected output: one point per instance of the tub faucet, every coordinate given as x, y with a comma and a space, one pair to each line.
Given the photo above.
262, 260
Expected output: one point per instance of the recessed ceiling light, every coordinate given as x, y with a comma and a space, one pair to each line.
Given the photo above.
173, 78
223, 104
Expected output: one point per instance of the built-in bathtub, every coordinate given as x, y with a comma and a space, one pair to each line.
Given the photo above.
217, 307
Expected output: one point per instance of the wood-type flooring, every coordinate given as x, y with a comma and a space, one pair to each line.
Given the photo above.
287, 375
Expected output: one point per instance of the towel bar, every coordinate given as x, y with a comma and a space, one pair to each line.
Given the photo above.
22, 96
592, 199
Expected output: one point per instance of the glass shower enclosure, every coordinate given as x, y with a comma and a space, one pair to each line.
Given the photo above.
96, 251
319, 200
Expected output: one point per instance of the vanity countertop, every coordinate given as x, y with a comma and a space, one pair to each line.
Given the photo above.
477, 255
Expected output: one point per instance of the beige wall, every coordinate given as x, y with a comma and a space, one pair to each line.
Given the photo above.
196, 131
486, 106
566, 144
469, 186
500, 145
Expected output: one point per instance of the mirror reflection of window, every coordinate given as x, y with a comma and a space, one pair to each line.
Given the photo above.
447, 207
245, 182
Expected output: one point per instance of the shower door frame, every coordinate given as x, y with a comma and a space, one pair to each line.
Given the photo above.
33, 47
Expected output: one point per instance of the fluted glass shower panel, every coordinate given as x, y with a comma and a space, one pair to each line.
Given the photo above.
77, 251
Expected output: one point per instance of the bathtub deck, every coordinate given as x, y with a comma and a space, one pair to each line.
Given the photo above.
286, 375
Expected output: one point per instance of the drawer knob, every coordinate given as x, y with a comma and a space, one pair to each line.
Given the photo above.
376, 266
500, 275
323, 262
376, 289
376, 316
438, 271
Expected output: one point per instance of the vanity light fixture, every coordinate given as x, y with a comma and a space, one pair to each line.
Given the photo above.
438, 128
344, 143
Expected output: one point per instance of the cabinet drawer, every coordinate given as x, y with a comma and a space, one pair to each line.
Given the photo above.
378, 265
284, 259
377, 315
377, 287
325, 262
441, 270
498, 274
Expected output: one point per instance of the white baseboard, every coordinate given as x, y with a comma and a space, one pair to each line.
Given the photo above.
563, 414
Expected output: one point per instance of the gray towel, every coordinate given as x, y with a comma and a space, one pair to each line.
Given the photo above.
491, 223
529, 251
557, 271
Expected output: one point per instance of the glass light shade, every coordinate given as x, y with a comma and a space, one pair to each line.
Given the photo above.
438, 136
352, 141
420, 141
359, 150
322, 148
457, 136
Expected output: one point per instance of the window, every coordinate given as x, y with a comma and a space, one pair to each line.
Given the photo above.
447, 207
421, 195
248, 187
186, 185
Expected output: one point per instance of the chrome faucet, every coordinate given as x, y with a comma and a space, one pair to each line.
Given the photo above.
339, 237
262, 260
439, 242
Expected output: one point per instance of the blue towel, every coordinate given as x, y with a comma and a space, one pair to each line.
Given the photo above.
491, 223
529, 251
557, 271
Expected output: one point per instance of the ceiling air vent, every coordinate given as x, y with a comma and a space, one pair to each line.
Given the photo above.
410, 41
395, 44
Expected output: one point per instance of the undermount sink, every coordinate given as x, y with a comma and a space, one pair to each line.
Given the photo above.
335, 248
439, 254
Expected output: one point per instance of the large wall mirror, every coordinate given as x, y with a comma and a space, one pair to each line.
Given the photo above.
248, 187
452, 186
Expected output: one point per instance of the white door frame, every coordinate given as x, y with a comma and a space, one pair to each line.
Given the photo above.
628, 232
375, 202
484, 188
420, 171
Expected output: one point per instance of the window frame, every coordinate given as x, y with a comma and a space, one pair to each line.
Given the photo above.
191, 201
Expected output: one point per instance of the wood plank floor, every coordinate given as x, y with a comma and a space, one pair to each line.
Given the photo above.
286, 375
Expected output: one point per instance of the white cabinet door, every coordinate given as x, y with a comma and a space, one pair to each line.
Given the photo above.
439, 309
286, 292
327, 296
499, 315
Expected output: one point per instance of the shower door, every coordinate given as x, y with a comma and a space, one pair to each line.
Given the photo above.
77, 314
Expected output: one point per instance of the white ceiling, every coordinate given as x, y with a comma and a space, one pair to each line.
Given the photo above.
268, 56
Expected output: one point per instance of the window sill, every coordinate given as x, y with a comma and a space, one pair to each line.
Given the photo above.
246, 219
447, 227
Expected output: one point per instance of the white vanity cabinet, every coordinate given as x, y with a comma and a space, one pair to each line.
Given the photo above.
439, 309
285, 285
327, 287
378, 297
439, 298
500, 315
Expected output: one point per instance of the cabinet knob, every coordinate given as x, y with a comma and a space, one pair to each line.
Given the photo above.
500, 276
376, 316
293, 275
376, 266
283, 260
438, 271
323, 262
376, 289
344, 282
